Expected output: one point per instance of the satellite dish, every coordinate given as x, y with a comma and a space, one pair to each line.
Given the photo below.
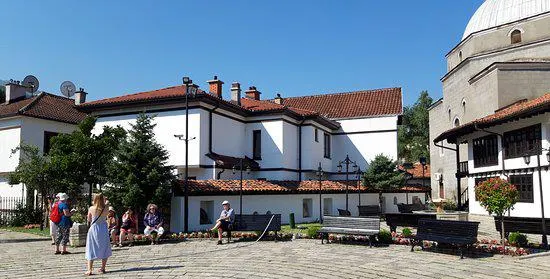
68, 88
30, 83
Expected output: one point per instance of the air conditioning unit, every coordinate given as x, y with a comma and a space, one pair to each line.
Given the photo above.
438, 176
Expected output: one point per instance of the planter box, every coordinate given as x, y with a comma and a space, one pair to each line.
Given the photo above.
77, 237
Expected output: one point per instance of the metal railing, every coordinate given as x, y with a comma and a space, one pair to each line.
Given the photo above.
7, 208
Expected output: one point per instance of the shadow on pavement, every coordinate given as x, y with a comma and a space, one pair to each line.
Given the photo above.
23, 240
143, 268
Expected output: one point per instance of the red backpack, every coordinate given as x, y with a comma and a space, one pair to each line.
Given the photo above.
55, 215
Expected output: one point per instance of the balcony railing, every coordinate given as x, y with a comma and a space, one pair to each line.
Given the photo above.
463, 169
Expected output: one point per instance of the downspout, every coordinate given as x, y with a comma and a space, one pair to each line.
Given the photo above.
300, 149
501, 143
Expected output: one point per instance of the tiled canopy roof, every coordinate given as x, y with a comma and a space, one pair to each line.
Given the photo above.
227, 162
351, 104
45, 106
211, 187
416, 170
515, 111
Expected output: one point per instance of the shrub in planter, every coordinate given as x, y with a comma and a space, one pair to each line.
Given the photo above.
313, 231
385, 237
407, 232
518, 239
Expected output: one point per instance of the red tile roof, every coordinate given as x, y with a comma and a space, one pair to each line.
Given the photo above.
173, 91
416, 170
45, 106
351, 104
515, 111
207, 187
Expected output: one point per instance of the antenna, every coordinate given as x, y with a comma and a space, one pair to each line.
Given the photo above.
67, 89
30, 83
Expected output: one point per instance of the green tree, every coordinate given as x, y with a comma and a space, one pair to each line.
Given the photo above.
497, 196
2, 94
36, 171
83, 158
383, 175
140, 174
413, 134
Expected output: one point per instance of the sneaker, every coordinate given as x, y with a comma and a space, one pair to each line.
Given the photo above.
220, 242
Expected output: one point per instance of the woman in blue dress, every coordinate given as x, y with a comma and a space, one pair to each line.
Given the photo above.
98, 241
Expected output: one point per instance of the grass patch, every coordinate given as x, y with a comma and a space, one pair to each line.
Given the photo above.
35, 231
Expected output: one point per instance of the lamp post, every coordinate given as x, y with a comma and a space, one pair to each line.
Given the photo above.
423, 163
527, 159
241, 166
347, 162
319, 172
190, 88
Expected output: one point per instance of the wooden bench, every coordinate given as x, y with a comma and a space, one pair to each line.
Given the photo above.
462, 233
369, 210
349, 225
406, 219
522, 225
409, 208
256, 222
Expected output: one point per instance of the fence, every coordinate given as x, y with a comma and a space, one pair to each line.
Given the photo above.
7, 208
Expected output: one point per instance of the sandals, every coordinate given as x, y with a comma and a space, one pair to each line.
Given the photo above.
57, 252
89, 273
65, 253
101, 271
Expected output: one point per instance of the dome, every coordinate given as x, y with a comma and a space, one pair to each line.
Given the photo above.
497, 12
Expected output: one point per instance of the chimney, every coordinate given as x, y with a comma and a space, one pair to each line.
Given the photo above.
236, 93
216, 87
80, 97
278, 99
14, 91
253, 93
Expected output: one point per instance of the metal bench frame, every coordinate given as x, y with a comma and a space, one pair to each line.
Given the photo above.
366, 226
462, 233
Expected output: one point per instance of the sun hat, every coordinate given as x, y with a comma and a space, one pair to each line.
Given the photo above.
111, 208
63, 196
225, 202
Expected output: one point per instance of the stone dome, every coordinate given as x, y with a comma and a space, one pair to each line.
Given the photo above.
497, 12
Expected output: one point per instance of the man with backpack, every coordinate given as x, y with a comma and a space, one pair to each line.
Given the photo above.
61, 216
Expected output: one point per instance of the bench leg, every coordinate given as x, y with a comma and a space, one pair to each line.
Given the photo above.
228, 236
461, 252
276, 236
413, 243
393, 228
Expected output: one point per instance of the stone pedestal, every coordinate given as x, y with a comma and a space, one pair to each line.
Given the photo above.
77, 237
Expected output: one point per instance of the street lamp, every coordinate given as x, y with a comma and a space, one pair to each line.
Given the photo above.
359, 172
192, 89
241, 184
347, 162
423, 163
319, 172
527, 159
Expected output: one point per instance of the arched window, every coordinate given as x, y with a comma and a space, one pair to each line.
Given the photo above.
457, 122
460, 55
463, 105
515, 36
395, 200
449, 113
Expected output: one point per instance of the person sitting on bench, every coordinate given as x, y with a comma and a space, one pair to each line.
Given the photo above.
225, 222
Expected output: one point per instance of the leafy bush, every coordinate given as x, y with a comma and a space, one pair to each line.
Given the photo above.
407, 232
25, 215
518, 239
313, 231
385, 237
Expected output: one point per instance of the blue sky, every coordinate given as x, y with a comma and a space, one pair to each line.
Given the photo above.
290, 47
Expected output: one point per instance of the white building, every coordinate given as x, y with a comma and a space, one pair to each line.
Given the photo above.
284, 139
506, 144
502, 58
31, 120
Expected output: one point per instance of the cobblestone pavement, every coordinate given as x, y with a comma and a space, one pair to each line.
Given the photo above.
29, 256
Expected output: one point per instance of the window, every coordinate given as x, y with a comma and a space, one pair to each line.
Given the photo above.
515, 36
327, 206
524, 184
316, 135
327, 146
463, 105
307, 205
257, 144
48, 141
525, 141
207, 212
395, 200
460, 55
485, 151
457, 122
441, 190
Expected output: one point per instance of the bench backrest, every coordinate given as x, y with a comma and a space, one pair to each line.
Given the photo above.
522, 224
351, 222
434, 229
257, 222
369, 210
409, 208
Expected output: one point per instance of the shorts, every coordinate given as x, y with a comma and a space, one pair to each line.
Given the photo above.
53, 229
226, 225
160, 231
127, 231
113, 230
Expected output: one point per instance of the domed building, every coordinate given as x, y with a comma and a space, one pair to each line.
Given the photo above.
501, 65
